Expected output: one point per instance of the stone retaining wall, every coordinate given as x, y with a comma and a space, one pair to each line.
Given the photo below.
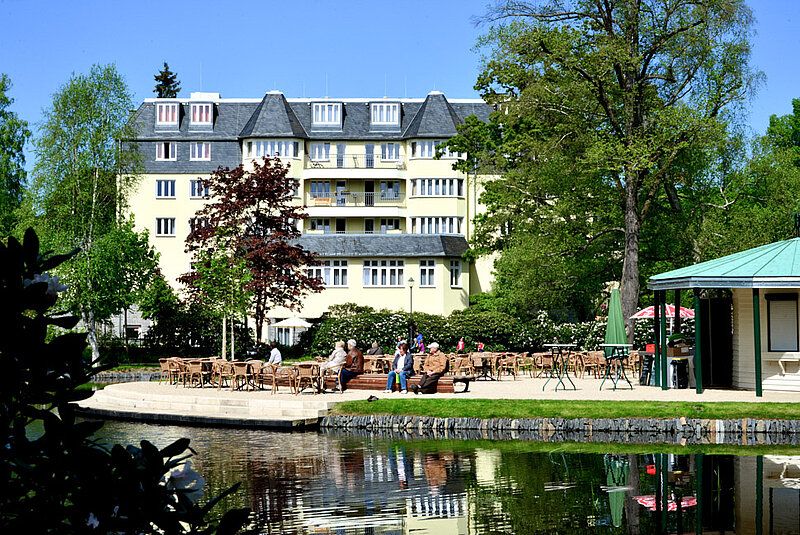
127, 377
684, 431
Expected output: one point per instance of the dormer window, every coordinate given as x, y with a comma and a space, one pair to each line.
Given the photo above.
202, 114
385, 113
327, 114
167, 113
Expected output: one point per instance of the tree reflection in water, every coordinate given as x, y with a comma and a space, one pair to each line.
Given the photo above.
345, 483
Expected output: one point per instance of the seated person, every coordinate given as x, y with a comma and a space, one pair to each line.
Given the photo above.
275, 355
353, 365
336, 359
402, 369
435, 366
375, 349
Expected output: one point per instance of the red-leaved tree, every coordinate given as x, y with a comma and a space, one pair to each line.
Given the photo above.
252, 217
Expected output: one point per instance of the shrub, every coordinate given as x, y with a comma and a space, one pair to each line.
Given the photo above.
62, 481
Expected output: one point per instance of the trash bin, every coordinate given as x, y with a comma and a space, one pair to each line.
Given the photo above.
647, 370
679, 369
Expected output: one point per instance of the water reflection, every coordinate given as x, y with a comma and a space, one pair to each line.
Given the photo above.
338, 483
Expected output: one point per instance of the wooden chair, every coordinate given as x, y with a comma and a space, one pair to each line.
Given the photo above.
418, 365
221, 371
179, 370
463, 366
544, 363
526, 364
577, 364
196, 372
307, 376
242, 376
593, 362
509, 364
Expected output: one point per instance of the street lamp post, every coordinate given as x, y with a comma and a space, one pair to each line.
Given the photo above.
411, 308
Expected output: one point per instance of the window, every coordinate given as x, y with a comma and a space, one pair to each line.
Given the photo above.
166, 151
197, 190
782, 322
386, 113
390, 151
165, 189
196, 223
390, 224
284, 335
332, 272
436, 225
455, 274
320, 151
200, 151
272, 147
321, 224
427, 272
424, 149
320, 190
167, 113
165, 226
384, 273
437, 187
327, 113
390, 189
369, 226
201, 113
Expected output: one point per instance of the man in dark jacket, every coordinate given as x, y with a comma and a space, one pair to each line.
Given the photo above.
375, 349
353, 365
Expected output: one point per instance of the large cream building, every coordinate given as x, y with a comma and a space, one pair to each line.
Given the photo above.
382, 210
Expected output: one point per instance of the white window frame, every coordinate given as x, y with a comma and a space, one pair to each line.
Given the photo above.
388, 273
202, 113
200, 151
272, 148
197, 222
197, 190
437, 187
326, 113
425, 148
320, 223
389, 223
320, 152
427, 273
390, 152
165, 227
455, 273
171, 149
334, 273
167, 113
385, 113
782, 322
318, 189
165, 189
436, 225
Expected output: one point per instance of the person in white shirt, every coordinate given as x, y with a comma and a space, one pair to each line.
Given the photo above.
337, 358
275, 355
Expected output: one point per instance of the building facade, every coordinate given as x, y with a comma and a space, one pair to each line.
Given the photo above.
382, 210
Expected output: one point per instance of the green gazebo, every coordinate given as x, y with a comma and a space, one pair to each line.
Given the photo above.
764, 279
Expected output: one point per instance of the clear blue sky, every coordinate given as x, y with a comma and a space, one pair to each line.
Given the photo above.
246, 48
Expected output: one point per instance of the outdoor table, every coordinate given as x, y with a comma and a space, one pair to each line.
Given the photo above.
560, 362
619, 352
486, 369
320, 389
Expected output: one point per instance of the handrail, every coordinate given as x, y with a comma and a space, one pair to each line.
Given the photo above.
353, 161
379, 198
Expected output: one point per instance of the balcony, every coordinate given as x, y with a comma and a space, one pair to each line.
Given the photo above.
354, 161
382, 198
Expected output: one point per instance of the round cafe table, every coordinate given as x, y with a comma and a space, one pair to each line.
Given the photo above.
560, 354
617, 353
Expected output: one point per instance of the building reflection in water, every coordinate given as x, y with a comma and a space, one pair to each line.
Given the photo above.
326, 483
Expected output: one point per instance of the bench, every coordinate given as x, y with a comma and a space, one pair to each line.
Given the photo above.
377, 381
782, 360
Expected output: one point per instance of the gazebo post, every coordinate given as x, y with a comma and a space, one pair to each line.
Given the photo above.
657, 337
698, 360
757, 338
664, 371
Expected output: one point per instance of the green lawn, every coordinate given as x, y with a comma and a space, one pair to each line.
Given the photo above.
503, 408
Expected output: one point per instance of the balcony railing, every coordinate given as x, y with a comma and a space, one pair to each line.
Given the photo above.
381, 198
313, 232
354, 161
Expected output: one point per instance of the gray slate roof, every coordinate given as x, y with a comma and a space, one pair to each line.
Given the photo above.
384, 245
276, 117
273, 118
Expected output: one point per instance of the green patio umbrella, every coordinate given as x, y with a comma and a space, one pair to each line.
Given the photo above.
616, 478
615, 328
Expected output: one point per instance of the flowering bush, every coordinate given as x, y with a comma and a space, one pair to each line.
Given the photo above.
61, 481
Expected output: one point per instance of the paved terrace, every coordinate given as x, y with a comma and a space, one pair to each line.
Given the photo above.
166, 403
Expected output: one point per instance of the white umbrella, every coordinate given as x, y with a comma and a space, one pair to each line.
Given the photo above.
293, 324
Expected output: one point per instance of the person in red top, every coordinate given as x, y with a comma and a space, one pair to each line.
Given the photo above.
480, 347
460, 345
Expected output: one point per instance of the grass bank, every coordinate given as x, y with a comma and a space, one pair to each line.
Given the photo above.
548, 408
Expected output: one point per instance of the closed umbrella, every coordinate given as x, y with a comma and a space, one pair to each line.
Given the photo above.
615, 328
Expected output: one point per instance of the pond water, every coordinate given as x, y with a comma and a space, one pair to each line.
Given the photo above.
327, 482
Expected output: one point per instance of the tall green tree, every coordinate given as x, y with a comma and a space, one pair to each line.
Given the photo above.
14, 133
167, 84
612, 102
80, 181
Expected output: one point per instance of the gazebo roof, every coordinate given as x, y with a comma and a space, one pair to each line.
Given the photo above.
775, 265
